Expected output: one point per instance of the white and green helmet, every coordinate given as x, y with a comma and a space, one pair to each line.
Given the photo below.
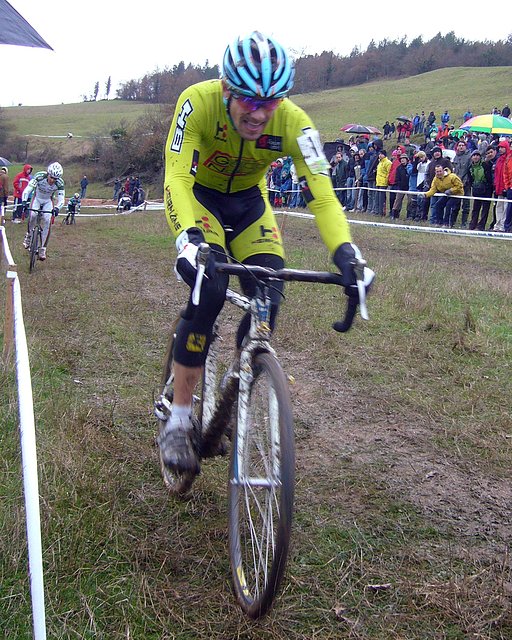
258, 66
55, 170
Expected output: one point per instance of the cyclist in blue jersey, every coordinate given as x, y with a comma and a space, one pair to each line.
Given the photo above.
73, 208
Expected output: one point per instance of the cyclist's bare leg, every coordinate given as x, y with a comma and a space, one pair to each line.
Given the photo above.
185, 381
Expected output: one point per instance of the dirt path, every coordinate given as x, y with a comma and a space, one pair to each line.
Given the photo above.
400, 453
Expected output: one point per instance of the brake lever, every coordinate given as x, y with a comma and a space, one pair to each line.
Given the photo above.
203, 252
361, 288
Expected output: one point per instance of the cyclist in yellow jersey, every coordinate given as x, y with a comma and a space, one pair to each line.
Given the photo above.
223, 137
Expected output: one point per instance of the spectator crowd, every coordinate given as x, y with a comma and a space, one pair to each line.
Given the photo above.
129, 193
451, 172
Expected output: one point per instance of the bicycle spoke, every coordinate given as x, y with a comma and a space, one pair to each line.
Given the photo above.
262, 542
260, 502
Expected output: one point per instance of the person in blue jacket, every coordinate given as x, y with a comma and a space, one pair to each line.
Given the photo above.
83, 186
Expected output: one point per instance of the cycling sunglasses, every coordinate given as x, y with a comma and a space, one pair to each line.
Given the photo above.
251, 103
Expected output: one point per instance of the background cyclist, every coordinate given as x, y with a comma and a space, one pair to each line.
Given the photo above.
46, 189
73, 208
223, 137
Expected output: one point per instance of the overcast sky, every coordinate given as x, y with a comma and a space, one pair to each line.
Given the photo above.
95, 39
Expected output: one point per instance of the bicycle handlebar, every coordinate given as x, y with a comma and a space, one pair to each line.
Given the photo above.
299, 275
287, 275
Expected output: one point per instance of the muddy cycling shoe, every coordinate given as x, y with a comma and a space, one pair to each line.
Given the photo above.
26, 241
177, 450
42, 253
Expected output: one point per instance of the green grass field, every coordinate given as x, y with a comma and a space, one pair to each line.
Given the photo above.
403, 513
81, 119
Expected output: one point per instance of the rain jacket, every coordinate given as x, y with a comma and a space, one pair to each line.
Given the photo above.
499, 169
431, 169
402, 178
392, 172
481, 178
21, 181
448, 181
383, 169
507, 171
461, 164
4, 184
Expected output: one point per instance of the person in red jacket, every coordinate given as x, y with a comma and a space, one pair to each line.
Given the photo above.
20, 183
499, 185
507, 179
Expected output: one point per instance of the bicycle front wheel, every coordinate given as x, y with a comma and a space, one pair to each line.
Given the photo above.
261, 487
34, 248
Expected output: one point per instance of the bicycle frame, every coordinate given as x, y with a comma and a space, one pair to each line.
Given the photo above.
37, 225
238, 377
70, 217
36, 233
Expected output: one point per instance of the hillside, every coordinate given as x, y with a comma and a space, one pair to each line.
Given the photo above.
454, 89
81, 119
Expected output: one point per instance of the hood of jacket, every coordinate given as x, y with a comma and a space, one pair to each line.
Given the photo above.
506, 145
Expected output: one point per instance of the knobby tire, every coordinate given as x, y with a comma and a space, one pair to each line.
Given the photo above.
34, 247
261, 489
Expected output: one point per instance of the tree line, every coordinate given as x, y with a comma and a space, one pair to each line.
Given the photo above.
386, 59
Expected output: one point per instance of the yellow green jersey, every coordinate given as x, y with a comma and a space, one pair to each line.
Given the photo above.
203, 148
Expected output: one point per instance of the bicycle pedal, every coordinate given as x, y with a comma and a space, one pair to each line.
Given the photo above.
161, 415
162, 408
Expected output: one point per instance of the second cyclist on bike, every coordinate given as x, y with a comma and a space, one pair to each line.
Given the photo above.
46, 192
73, 208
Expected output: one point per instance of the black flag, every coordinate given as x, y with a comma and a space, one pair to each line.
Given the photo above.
14, 29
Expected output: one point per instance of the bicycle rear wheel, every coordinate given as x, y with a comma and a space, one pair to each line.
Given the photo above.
34, 248
179, 484
261, 488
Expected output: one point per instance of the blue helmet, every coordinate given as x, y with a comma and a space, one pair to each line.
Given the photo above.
258, 66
